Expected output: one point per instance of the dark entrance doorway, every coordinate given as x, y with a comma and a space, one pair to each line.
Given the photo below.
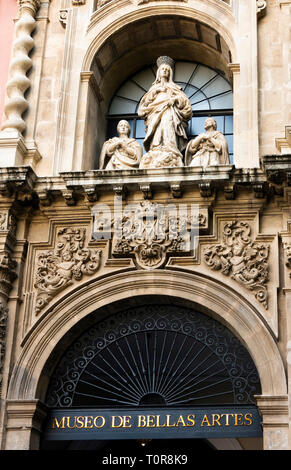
153, 356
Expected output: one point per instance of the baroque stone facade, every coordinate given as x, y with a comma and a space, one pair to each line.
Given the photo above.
90, 227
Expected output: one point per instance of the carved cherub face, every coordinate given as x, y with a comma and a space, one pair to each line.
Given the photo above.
123, 128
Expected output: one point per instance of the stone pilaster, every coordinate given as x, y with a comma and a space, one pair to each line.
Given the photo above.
274, 411
23, 424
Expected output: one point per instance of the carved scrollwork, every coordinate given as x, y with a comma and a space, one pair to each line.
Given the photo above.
59, 268
150, 236
241, 258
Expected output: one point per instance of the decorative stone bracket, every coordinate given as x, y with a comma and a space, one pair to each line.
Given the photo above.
68, 262
241, 258
261, 8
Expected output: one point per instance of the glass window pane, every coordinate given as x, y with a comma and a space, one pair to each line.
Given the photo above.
228, 124
196, 96
130, 90
140, 129
204, 105
229, 139
122, 106
202, 76
145, 78
183, 71
218, 85
222, 102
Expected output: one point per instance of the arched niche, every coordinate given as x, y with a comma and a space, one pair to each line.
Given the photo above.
129, 49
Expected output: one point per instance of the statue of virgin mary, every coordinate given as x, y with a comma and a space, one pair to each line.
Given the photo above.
166, 110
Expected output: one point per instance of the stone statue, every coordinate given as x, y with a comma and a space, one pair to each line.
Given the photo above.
166, 111
122, 151
209, 148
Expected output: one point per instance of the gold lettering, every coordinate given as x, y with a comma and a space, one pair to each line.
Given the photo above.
102, 422
158, 422
68, 423
88, 422
58, 424
113, 425
237, 419
215, 420
168, 422
191, 420
248, 417
227, 415
150, 421
181, 420
205, 420
80, 422
126, 423
141, 421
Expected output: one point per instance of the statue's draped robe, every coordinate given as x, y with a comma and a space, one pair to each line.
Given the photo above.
205, 153
120, 159
165, 123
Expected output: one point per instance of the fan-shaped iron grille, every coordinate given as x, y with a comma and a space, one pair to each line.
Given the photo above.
164, 355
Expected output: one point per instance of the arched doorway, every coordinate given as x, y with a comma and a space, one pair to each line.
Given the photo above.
156, 372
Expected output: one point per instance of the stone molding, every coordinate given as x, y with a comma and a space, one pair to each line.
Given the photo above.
229, 306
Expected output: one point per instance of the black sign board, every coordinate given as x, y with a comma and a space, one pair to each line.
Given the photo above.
153, 423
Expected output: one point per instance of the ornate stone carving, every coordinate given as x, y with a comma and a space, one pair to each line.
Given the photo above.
18, 81
287, 248
122, 151
166, 110
78, 2
7, 276
209, 148
3, 327
150, 236
69, 262
7, 273
63, 17
241, 258
8, 222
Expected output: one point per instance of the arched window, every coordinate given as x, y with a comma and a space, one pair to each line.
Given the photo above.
209, 92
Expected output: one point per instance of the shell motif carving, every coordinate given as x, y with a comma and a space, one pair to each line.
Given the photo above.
241, 258
69, 262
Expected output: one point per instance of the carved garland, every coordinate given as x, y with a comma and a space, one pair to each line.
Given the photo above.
241, 258
67, 263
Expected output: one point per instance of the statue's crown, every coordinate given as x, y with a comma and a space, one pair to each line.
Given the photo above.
163, 59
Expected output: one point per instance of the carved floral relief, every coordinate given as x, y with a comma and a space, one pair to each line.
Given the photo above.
69, 262
241, 258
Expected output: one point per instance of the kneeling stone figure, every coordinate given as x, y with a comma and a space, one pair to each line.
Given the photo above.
209, 148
